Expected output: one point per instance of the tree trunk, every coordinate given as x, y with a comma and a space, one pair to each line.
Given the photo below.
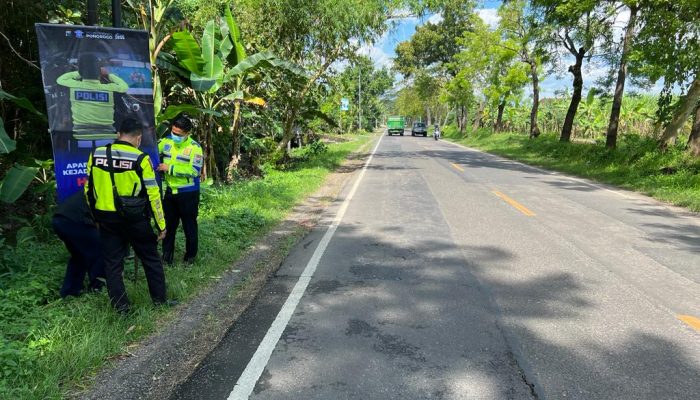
575, 98
236, 142
294, 110
534, 129
611, 136
429, 117
462, 121
477, 117
498, 126
694, 139
682, 113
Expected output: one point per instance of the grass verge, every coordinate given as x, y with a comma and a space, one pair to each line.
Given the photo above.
50, 347
672, 176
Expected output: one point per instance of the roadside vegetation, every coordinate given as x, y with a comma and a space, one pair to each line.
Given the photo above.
631, 115
51, 346
672, 176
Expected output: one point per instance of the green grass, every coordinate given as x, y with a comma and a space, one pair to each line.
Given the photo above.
672, 176
50, 347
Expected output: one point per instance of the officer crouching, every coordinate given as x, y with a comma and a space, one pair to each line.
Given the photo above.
181, 163
123, 194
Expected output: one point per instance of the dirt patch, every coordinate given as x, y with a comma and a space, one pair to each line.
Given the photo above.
155, 368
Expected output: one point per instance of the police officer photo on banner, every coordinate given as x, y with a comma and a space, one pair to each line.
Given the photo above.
94, 78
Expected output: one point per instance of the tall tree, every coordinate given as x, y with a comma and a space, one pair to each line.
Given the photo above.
611, 135
667, 47
579, 25
313, 34
694, 138
524, 32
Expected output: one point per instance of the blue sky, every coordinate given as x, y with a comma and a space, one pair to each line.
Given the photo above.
382, 51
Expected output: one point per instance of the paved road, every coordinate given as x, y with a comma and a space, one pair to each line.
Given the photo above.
454, 274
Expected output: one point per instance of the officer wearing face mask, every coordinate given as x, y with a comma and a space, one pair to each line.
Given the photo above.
181, 164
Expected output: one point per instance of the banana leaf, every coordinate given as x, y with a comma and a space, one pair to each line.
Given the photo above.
16, 182
226, 44
213, 65
168, 62
174, 110
21, 102
255, 101
239, 54
188, 51
6, 143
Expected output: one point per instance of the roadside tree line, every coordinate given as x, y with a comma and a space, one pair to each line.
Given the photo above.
252, 73
482, 75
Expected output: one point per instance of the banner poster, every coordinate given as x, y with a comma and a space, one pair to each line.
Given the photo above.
94, 78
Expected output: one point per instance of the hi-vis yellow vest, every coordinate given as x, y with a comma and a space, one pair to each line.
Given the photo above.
185, 162
131, 177
92, 104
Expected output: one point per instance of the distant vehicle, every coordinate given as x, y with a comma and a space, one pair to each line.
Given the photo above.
395, 125
419, 129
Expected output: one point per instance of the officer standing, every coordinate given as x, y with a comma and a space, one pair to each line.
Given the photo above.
122, 192
181, 163
74, 225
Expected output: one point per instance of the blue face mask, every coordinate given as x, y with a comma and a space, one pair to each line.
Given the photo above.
177, 139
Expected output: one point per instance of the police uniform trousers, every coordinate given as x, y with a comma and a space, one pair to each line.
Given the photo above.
83, 244
116, 236
181, 207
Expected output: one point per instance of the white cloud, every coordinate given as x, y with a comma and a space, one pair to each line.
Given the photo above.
620, 24
490, 16
380, 58
435, 18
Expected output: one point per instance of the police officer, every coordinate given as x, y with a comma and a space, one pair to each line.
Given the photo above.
92, 90
181, 163
74, 225
119, 175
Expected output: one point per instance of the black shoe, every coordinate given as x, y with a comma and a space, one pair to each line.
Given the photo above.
166, 303
124, 311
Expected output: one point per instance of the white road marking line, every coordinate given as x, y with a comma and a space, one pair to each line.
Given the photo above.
246, 382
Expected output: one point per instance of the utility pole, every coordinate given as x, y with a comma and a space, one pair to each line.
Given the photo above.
92, 12
117, 13
359, 102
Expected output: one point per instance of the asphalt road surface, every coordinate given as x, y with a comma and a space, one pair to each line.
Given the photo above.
447, 273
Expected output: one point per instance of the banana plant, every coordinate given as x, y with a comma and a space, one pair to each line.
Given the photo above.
153, 18
219, 60
18, 177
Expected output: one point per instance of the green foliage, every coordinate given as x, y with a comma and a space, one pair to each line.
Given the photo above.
7, 145
15, 182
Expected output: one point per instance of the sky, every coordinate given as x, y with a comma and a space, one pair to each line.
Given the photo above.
382, 51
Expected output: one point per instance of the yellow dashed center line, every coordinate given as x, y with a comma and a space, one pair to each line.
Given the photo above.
457, 167
515, 204
690, 320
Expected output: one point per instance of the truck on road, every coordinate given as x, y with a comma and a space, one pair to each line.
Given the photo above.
395, 125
